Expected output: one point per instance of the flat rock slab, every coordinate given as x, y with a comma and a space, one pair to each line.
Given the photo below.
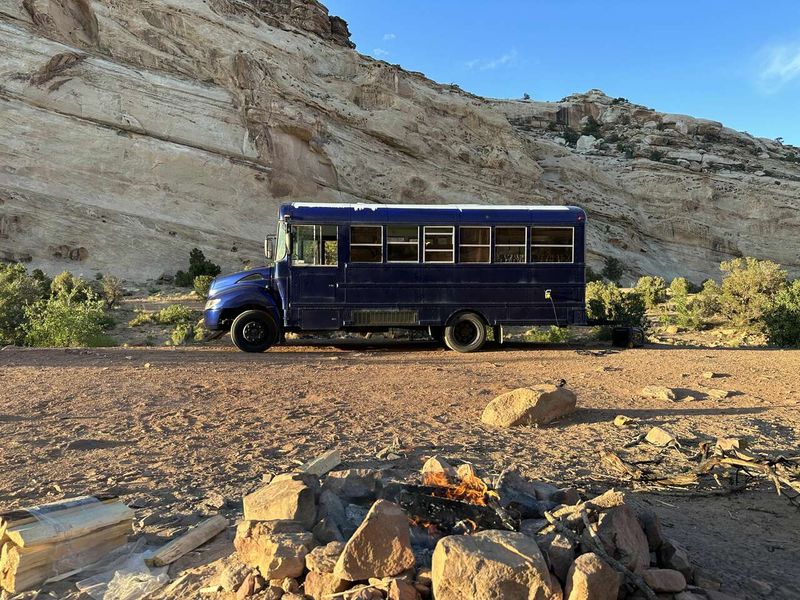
284, 498
539, 405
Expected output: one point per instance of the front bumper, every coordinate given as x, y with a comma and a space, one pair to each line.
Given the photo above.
212, 319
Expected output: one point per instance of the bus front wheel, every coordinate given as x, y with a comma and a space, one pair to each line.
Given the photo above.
254, 331
466, 332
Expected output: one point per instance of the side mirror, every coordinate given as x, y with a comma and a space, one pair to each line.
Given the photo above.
269, 247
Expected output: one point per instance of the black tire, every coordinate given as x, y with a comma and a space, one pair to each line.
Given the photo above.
466, 332
254, 331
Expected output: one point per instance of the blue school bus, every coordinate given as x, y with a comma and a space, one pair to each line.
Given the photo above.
456, 271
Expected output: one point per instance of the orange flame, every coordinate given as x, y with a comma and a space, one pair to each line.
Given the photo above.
470, 488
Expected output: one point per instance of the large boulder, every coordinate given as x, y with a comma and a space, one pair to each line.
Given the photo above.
539, 405
380, 547
591, 578
491, 565
623, 537
284, 498
277, 548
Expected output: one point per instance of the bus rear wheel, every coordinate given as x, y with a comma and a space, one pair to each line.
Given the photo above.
254, 331
466, 332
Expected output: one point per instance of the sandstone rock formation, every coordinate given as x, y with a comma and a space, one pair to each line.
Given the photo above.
133, 131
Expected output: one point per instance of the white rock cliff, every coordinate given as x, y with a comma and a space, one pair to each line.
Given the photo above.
132, 131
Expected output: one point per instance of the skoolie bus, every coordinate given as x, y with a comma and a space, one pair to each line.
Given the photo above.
456, 271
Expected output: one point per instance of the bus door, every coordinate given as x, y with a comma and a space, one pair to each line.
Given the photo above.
314, 277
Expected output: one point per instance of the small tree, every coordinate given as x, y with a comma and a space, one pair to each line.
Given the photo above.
653, 290
591, 127
198, 265
612, 269
17, 291
607, 302
679, 288
112, 290
66, 284
707, 301
749, 287
782, 317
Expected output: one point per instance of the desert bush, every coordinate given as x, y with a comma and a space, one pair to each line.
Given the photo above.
592, 275
68, 319
707, 300
67, 284
592, 127
653, 290
17, 291
781, 317
607, 302
570, 136
201, 285
112, 290
552, 335
182, 334
679, 288
748, 288
174, 314
198, 265
612, 269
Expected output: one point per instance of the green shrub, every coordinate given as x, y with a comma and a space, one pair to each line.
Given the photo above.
552, 335
782, 317
182, 334
592, 127
679, 288
201, 285
612, 269
748, 288
198, 265
707, 300
174, 314
571, 136
17, 291
652, 289
66, 284
66, 320
592, 275
607, 302
112, 290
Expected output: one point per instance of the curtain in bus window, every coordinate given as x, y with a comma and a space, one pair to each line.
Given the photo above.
439, 244
475, 244
509, 244
402, 243
366, 243
552, 244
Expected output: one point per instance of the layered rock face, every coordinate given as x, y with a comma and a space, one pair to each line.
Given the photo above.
131, 132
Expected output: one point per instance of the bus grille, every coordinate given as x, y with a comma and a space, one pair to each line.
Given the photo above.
385, 317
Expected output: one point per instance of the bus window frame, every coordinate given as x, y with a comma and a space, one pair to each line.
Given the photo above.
524, 245
487, 246
320, 245
452, 249
388, 243
357, 245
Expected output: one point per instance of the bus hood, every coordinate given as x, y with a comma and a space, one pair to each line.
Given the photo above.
260, 276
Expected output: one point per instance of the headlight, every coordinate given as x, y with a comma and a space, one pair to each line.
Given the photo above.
213, 303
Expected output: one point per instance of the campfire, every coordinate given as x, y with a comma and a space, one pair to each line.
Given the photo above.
469, 488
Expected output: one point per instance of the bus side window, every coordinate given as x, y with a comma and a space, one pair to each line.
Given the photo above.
553, 244
510, 244
315, 245
439, 244
366, 243
402, 243
475, 244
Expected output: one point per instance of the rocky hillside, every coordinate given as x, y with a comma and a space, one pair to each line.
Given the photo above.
131, 131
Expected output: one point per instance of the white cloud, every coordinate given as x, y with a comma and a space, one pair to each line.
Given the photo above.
389, 36
380, 52
483, 64
779, 65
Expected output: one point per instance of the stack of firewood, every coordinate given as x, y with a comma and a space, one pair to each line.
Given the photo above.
57, 539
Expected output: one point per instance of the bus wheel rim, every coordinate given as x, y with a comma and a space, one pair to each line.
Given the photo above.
253, 332
465, 332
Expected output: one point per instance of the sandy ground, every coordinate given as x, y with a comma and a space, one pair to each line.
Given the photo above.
176, 429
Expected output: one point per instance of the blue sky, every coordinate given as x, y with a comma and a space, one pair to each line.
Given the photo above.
734, 61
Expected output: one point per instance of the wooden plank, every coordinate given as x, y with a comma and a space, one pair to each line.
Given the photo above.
20, 575
195, 537
70, 524
322, 464
34, 556
12, 517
